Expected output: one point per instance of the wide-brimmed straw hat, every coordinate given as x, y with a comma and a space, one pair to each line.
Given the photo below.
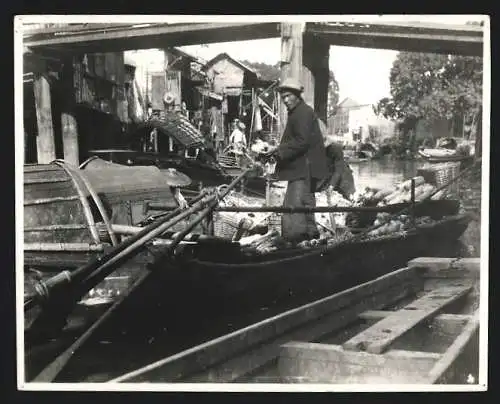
291, 84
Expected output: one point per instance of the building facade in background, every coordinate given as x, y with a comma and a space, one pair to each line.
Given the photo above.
355, 122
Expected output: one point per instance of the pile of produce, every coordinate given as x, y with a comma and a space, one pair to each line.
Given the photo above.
272, 241
397, 194
328, 222
400, 193
335, 227
262, 244
395, 225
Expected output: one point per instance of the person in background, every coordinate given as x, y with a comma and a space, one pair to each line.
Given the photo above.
301, 160
184, 110
238, 141
149, 110
168, 102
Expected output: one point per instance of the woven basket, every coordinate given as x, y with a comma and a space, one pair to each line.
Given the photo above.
225, 224
440, 174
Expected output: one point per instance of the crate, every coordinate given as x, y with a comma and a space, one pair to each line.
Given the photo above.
274, 222
440, 174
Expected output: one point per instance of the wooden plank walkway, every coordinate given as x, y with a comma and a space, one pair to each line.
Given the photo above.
343, 338
380, 336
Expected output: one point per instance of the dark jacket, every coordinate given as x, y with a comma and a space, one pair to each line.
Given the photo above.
339, 173
301, 150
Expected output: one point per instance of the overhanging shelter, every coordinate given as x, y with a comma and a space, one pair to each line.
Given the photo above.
238, 83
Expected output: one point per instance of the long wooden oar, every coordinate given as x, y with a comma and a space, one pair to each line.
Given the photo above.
49, 373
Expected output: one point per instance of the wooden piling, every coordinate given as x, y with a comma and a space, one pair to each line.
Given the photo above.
70, 138
45, 143
69, 127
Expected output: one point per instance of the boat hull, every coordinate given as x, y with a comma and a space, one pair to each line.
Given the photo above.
204, 285
219, 284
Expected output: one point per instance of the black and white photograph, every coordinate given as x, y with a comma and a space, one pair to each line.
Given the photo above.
252, 203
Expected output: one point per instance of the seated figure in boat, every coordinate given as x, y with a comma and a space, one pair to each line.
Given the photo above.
339, 176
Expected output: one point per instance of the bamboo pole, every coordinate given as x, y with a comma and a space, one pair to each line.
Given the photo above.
317, 209
281, 209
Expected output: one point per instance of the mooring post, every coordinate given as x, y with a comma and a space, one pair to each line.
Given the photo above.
69, 126
45, 143
413, 202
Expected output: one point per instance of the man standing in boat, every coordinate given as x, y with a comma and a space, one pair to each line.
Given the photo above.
301, 161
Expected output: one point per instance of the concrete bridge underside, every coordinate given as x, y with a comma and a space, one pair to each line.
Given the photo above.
416, 36
304, 52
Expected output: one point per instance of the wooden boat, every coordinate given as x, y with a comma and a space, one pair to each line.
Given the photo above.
68, 211
416, 325
211, 270
230, 275
435, 156
225, 273
171, 141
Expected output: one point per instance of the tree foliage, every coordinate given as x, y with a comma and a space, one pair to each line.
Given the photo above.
265, 71
432, 86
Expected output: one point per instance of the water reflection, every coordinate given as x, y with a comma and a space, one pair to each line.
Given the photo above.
383, 172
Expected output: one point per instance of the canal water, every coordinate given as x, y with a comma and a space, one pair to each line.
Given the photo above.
383, 172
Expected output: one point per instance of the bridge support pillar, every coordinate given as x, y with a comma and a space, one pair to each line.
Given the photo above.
306, 58
316, 73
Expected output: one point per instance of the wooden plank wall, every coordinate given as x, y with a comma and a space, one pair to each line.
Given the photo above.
99, 82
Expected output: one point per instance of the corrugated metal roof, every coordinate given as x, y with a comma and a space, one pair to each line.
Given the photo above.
178, 126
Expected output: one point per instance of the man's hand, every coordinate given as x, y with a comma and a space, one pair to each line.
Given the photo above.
269, 154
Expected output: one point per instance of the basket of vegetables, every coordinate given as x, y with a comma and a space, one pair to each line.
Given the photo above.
441, 174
